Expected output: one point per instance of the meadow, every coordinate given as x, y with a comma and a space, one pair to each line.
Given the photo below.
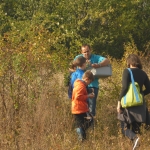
38, 39
35, 110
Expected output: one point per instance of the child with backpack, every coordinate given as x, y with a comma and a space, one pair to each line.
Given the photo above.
80, 64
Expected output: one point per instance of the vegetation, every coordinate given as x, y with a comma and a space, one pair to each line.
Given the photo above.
37, 41
35, 109
107, 26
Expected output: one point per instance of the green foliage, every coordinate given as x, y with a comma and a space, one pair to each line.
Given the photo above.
107, 26
66, 79
38, 39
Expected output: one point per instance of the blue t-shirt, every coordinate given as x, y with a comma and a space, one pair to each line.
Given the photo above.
94, 59
76, 75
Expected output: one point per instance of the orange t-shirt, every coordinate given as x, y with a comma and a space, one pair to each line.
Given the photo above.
79, 98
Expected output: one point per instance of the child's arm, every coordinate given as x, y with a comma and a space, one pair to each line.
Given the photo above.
81, 96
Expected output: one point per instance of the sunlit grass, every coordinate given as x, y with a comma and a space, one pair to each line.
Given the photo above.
43, 119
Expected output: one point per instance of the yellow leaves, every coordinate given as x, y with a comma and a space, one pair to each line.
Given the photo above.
34, 44
81, 22
111, 9
1, 73
48, 56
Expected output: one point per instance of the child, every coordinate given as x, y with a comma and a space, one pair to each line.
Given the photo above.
80, 63
79, 106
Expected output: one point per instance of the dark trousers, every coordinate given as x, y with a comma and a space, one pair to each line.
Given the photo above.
130, 130
82, 122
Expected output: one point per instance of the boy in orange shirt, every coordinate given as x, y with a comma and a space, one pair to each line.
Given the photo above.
79, 106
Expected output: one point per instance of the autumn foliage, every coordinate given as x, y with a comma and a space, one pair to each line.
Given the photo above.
38, 40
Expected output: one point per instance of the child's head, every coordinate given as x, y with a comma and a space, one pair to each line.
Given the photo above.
88, 77
80, 62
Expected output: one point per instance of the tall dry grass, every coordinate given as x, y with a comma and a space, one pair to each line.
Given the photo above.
36, 115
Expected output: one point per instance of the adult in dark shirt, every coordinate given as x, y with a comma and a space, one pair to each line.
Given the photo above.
132, 117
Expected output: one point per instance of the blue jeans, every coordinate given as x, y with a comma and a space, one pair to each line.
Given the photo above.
92, 102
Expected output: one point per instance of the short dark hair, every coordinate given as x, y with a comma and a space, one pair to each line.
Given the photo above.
88, 74
79, 61
84, 45
134, 60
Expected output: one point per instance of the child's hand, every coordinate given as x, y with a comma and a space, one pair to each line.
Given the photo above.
119, 107
91, 95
